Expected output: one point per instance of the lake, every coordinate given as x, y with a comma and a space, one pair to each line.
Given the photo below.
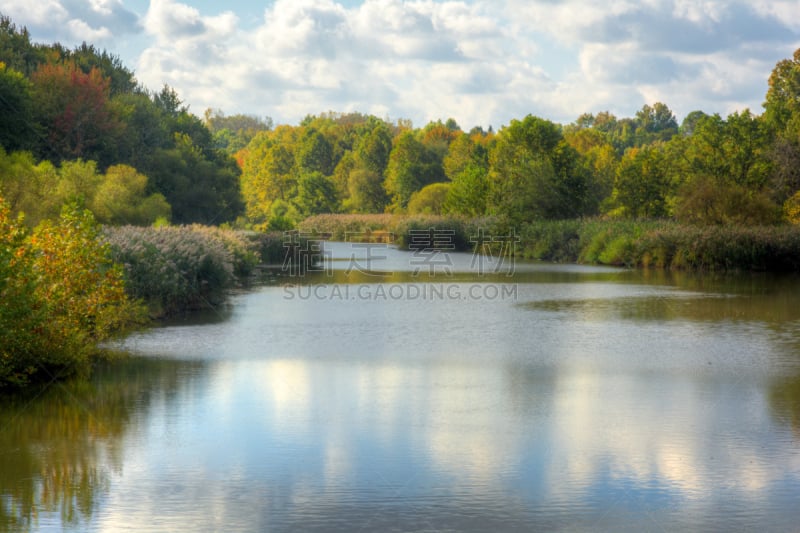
398, 391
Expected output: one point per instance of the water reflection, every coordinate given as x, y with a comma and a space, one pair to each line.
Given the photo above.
595, 399
348, 445
693, 307
785, 401
61, 447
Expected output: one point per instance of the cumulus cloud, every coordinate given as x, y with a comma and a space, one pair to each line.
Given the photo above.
73, 21
479, 61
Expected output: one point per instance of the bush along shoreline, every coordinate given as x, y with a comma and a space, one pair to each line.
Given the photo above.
661, 244
61, 294
70, 285
179, 269
665, 245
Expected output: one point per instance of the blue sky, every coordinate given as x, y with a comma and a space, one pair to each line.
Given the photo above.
482, 62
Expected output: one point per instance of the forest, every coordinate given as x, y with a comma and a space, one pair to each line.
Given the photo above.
76, 124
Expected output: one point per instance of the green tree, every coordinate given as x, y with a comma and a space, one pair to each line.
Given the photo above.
199, 188
17, 128
234, 132
690, 122
314, 153
535, 173
464, 152
16, 49
429, 200
316, 194
121, 199
642, 183
146, 129
783, 96
28, 187
411, 167
367, 194
268, 172
468, 192
77, 182
655, 123
372, 150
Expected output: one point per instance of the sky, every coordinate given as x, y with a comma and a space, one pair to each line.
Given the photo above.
481, 62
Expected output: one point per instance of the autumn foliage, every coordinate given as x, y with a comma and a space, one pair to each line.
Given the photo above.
76, 108
60, 294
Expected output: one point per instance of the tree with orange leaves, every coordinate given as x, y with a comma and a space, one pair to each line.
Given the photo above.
74, 110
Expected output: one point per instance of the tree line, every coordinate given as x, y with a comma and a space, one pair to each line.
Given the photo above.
742, 168
75, 124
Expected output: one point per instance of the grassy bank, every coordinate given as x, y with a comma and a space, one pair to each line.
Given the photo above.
648, 243
661, 244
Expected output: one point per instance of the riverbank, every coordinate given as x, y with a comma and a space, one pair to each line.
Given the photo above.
179, 269
660, 244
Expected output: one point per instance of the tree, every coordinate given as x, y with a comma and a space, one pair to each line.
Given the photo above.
16, 49
17, 129
147, 129
437, 136
411, 167
641, 185
77, 182
28, 187
341, 175
783, 96
316, 194
21, 318
690, 122
708, 201
367, 194
61, 296
534, 173
468, 193
121, 199
88, 58
599, 162
268, 172
232, 133
656, 123
429, 200
374, 147
314, 153
464, 152
199, 188
75, 112
731, 151
169, 102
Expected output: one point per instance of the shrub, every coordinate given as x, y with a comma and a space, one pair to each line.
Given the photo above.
172, 268
347, 227
60, 294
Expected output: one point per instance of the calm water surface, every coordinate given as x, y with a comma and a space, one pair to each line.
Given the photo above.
379, 397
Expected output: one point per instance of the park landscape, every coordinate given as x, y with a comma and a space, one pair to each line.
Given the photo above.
147, 252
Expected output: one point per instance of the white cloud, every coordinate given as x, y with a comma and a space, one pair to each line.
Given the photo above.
480, 62
73, 21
